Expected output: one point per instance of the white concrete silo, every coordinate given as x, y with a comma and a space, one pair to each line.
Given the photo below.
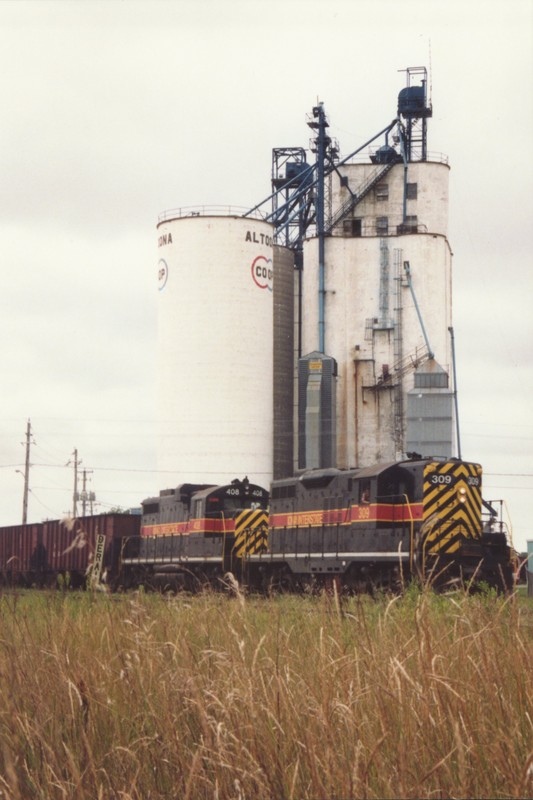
371, 325
215, 348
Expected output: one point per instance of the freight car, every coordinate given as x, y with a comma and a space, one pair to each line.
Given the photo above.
65, 551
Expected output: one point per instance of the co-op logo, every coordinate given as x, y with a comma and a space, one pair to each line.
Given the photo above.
262, 272
162, 273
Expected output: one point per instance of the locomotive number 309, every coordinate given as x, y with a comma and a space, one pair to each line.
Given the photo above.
440, 479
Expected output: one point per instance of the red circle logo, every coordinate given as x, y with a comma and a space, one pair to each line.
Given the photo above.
262, 272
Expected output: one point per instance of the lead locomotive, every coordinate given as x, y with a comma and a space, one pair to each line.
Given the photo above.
382, 525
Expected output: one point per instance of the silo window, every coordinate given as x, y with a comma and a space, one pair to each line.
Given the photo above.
411, 191
382, 191
352, 227
382, 225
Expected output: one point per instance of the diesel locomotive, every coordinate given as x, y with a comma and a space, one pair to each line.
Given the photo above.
365, 528
197, 533
376, 527
381, 526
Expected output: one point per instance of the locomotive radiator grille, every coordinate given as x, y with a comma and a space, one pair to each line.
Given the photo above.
251, 532
452, 506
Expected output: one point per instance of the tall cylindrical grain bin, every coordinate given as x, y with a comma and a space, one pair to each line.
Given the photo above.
215, 359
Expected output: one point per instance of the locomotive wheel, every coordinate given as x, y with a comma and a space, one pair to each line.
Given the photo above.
281, 580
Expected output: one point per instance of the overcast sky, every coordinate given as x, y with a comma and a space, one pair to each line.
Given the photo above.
115, 111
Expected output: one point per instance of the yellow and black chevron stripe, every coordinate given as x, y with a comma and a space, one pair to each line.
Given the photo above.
251, 532
451, 505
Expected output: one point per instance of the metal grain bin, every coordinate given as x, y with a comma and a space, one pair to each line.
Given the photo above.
284, 362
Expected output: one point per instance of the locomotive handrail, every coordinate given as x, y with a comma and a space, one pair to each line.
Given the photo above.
412, 533
497, 519
224, 545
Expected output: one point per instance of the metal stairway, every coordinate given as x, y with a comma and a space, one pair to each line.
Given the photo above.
366, 187
407, 364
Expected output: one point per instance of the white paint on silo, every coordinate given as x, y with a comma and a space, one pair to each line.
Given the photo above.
215, 349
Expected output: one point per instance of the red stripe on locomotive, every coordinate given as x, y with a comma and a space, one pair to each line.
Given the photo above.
375, 512
209, 526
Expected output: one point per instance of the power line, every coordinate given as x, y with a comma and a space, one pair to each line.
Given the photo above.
508, 474
171, 472
497, 436
52, 511
517, 488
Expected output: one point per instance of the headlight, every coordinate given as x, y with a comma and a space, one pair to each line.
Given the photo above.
461, 494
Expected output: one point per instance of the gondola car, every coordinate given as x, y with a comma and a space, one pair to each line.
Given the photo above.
195, 534
381, 526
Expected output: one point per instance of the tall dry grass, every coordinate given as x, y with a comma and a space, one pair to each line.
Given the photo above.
147, 697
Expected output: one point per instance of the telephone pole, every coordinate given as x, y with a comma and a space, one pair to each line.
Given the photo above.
26, 475
76, 464
85, 495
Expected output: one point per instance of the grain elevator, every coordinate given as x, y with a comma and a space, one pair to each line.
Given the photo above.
314, 329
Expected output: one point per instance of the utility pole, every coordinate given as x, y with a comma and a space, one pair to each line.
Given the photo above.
456, 402
26, 475
76, 464
85, 495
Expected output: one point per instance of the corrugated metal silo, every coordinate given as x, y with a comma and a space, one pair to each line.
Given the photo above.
316, 411
283, 362
215, 367
429, 429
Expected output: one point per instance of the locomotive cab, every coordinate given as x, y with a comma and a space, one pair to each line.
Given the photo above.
229, 501
397, 484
